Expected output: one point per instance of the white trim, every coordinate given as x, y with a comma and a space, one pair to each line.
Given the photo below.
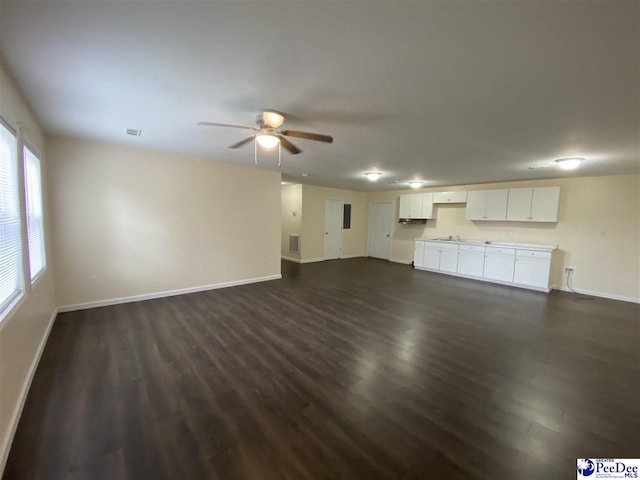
168, 293
5, 447
313, 260
399, 260
611, 296
359, 255
290, 259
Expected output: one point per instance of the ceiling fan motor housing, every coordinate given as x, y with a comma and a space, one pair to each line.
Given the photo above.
269, 119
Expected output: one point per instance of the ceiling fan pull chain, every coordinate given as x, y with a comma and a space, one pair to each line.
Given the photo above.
279, 153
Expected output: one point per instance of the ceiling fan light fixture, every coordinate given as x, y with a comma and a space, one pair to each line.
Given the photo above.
415, 183
270, 119
569, 163
373, 176
267, 140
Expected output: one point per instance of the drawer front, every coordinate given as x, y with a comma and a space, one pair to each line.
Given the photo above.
472, 248
500, 251
533, 254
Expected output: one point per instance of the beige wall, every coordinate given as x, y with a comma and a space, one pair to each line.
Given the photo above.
354, 241
291, 217
145, 222
598, 231
23, 331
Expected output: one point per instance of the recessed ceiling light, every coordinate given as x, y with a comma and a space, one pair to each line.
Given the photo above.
415, 183
373, 176
305, 174
569, 163
546, 165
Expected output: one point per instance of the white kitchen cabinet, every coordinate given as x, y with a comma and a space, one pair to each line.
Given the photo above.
471, 260
431, 256
496, 206
450, 197
418, 254
532, 268
487, 204
410, 205
441, 256
416, 205
538, 204
427, 205
499, 263
449, 259
544, 204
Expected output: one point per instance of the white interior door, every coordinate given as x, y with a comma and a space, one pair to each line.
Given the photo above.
380, 226
333, 217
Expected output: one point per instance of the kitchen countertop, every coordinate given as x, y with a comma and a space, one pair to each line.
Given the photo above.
493, 243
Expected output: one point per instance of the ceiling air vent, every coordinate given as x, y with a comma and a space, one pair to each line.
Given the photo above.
133, 132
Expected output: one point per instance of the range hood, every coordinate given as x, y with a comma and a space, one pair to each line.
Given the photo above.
412, 221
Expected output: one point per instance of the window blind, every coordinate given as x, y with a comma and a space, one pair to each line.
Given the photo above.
35, 230
10, 241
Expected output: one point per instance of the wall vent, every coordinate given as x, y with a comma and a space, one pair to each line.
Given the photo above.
133, 132
294, 243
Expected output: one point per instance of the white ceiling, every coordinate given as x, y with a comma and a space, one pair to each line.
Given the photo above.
451, 92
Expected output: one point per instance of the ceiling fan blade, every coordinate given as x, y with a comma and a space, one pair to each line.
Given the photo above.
288, 145
212, 124
309, 136
242, 142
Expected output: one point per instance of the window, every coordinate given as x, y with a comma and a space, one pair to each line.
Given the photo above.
33, 197
11, 284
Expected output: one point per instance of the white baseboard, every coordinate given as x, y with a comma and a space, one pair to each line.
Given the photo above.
610, 296
359, 255
5, 447
291, 259
168, 293
399, 260
312, 260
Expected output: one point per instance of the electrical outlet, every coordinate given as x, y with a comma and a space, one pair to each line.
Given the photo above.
93, 281
569, 270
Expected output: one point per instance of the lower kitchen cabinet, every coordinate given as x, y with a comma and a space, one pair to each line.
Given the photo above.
499, 263
471, 260
532, 268
418, 254
520, 267
441, 256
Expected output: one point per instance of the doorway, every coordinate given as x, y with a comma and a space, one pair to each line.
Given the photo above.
333, 217
380, 226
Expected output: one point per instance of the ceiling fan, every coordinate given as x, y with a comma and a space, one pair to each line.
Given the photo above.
267, 134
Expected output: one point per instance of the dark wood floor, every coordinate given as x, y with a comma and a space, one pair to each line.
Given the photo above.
344, 369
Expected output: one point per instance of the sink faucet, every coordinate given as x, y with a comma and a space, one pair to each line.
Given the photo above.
458, 238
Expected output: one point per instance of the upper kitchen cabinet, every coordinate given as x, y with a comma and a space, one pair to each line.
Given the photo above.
450, 197
410, 205
538, 204
487, 204
416, 205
